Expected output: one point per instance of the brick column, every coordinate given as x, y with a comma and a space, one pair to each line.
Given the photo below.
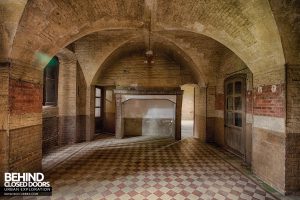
4, 110
178, 116
67, 94
119, 117
269, 130
20, 118
292, 165
200, 113
90, 111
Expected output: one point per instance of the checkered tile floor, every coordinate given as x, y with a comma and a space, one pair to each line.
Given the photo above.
146, 168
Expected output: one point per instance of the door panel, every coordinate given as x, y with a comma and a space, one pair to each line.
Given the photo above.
235, 115
98, 110
109, 111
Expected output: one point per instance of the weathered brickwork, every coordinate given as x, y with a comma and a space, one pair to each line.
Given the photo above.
50, 128
20, 118
196, 35
69, 20
173, 9
25, 97
4, 110
293, 129
269, 165
210, 118
81, 105
269, 103
188, 102
50, 134
286, 14
292, 163
65, 123
25, 147
81, 128
67, 97
219, 104
200, 113
132, 71
67, 130
11, 12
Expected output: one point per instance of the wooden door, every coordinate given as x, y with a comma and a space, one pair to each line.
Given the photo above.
235, 115
98, 109
109, 108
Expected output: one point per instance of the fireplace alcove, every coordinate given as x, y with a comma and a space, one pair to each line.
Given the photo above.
148, 111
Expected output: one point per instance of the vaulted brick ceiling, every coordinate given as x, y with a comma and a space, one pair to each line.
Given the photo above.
200, 53
247, 28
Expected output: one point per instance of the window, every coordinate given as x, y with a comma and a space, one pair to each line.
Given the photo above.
51, 82
98, 102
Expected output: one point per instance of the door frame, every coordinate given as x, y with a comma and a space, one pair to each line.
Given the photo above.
99, 120
105, 88
243, 77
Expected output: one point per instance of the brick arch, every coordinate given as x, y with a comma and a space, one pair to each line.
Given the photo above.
161, 45
197, 51
248, 28
239, 25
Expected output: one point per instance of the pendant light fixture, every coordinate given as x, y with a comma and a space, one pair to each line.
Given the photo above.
149, 53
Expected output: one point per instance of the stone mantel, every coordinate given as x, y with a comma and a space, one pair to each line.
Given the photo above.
149, 91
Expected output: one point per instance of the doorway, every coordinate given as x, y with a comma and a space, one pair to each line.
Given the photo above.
235, 115
99, 94
105, 110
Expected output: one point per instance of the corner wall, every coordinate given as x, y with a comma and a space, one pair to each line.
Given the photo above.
200, 113
20, 118
50, 128
293, 130
265, 117
232, 65
65, 123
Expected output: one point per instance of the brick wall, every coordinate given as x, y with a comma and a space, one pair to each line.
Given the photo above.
200, 113
81, 105
210, 109
230, 65
65, 123
132, 71
25, 97
67, 97
4, 109
293, 129
50, 128
268, 102
25, 119
269, 135
188, 102
25, 151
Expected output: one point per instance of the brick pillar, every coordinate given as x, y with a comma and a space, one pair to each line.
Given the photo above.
90, 113
119, 117
67, 94
211, 115
4, 110
269, 129
178, 116
200, 113
20, 118
292, 165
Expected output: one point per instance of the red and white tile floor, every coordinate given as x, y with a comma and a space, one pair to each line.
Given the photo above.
146, 168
